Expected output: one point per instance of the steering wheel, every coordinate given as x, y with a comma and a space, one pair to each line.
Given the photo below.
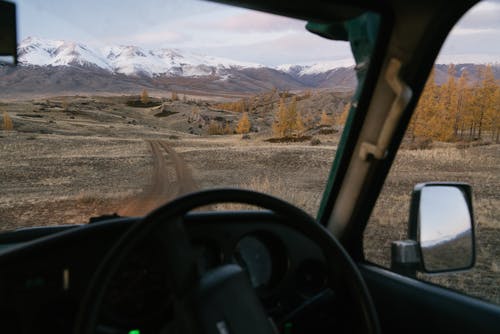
220, 300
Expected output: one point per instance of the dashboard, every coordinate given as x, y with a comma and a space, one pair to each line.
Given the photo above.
45, 272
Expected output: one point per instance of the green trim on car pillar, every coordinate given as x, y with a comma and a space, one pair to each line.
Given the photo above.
361, 33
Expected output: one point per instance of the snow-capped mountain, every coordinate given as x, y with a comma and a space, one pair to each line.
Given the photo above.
315, 68
65, 66
128, 60
55, 67
34, 51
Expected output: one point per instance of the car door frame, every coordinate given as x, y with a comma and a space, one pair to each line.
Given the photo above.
404, 303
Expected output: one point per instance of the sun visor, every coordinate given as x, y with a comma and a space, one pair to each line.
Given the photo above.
8, 33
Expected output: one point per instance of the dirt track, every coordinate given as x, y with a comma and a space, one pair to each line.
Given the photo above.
163, 186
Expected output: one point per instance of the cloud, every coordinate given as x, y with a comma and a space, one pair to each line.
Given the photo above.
296, 47
157, 37
461, 31
485, 15
468, 41
253, 22
477, 34
225, 31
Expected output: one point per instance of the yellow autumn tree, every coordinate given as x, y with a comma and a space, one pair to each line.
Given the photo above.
292, 116
65, 105
458, 110
238, 106
345, 112
299, 125
145, 97
441, 123
243, 125
215, 128
280, 124
427, 104
228, 129
7, 122
288, 121
488, 115
495, 117
325, 120
463, 115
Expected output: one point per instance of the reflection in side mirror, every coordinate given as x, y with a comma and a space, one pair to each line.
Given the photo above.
442, 223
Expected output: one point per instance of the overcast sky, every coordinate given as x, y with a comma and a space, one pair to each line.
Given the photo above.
224, 31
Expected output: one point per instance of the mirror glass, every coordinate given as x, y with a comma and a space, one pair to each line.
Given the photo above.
445, 229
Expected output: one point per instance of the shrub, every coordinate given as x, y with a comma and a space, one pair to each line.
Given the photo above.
215, 128
315, 142
421, 144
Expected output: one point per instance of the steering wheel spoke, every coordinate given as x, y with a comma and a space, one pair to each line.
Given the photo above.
179, 254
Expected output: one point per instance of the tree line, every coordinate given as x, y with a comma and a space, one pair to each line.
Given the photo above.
460, 109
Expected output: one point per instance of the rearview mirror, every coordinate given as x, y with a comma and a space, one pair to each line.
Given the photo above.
441, 222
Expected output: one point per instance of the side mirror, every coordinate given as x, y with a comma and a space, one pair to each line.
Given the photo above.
441, 230
8, 36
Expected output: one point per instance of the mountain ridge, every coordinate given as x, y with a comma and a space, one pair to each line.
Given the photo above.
56, 66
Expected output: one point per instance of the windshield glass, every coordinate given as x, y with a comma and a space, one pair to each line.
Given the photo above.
118, 107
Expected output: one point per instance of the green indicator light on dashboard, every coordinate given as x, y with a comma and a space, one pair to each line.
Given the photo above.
134, 331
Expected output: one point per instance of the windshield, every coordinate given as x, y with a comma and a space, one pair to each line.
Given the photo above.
119, 107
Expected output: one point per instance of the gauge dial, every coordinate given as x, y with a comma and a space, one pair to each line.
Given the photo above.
311, 277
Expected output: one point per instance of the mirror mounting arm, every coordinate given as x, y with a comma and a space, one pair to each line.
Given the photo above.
405, 257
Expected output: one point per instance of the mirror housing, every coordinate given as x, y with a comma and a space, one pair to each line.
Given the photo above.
8, 33
441, 231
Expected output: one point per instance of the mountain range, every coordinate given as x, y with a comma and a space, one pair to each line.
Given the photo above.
60, 67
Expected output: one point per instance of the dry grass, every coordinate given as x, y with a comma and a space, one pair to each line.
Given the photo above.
280, 188
480, 167
447, 154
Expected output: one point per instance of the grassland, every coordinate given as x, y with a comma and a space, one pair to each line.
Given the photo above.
70, 158
477, 165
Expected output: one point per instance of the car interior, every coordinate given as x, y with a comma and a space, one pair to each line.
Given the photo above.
273, 268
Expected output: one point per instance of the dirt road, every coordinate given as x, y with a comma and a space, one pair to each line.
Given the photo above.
165, 184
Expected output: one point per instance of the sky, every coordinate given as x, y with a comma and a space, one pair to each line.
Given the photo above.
443, 214
224, 31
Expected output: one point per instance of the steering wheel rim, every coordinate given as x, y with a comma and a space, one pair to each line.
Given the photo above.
335, 254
